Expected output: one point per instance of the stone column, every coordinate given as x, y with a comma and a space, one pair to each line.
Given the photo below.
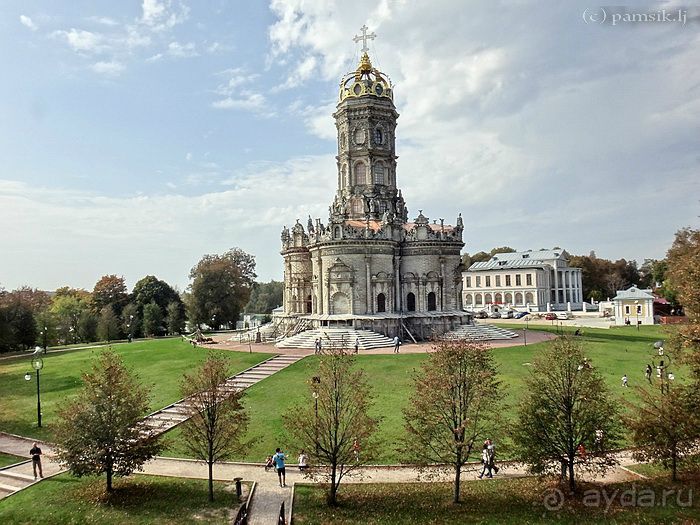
397, 285
442, 284
556, 286
319, 285
370, 298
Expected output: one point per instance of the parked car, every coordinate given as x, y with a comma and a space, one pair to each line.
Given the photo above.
481, 315
563, 316
551, 316
507, 314
494, 315
520, 315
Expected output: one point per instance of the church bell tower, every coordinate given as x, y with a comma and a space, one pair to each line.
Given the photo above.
365, 120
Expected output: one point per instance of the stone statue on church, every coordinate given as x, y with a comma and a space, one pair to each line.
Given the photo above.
310, 226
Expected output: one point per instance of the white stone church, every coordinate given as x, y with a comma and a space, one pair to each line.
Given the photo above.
369, 266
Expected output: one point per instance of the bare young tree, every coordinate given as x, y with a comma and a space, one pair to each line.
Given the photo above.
217, 420
333, 425
101, 430
454, 406
567, 418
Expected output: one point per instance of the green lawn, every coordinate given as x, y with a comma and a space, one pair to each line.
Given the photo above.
507, 501
158, 362
136, 500
8, 459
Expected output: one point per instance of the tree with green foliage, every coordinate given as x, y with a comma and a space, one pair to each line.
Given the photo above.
110, 290
67, 309
602, 278
664, 427
220, 288
502, 249
174, 318
216, 420
151, 289
265, 297
108, 324
131, 321
87, 326
455, 406
152, 320
333, 424
46, 329
101, 430
567, 416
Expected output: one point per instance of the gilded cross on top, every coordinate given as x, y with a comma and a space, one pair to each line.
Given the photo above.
365, 36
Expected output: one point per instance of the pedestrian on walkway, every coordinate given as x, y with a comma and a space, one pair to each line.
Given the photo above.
397, 343
317, 346
357, 345
485, 461
278, 460
303, 460
35, 452
492, 456
268, 463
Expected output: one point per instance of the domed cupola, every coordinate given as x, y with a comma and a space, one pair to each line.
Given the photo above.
365, 80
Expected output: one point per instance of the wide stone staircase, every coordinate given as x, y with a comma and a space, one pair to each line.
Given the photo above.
479, 332
176, 413
337, 338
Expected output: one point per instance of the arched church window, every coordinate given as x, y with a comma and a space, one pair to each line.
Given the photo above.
342, 140
411, 302
360, 173
379, 173
432, 302
381, 303
336, 234
378, 136
358, 207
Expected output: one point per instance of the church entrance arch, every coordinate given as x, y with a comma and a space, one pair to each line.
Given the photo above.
340, 304
411, 302
432, 302
381, 303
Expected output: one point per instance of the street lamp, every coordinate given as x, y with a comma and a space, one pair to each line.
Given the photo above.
129, 335
525, 331
37, 364
44, 336
636, 308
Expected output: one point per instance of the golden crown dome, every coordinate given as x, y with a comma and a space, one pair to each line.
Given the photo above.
365, 80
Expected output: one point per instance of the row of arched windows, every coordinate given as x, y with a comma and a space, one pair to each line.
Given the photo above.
410, 302
498, 298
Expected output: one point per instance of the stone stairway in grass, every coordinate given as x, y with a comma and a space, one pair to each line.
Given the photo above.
479, 332
336, 338
176, 413
19, 476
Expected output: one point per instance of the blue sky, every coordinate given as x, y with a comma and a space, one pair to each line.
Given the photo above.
138, 136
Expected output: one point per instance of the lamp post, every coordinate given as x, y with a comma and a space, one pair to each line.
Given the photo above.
37, 364
43, 333
636, 308
129, 335
525, 331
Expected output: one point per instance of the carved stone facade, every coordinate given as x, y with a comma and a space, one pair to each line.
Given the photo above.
369, 266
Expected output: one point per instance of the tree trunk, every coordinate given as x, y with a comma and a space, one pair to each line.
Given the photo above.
674, 465
333, 494
572, 481
458, 474
211, 480
109, 478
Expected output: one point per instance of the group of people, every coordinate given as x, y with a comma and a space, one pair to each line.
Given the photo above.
488, 460
277, 461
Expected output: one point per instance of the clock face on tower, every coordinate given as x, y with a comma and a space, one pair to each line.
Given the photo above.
359, 136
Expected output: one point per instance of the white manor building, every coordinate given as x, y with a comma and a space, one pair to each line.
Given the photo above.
532, 280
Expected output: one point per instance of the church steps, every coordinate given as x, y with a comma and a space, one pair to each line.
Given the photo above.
337, 338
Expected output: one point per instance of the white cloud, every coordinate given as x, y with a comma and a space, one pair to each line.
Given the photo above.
234, 78
248, 101
27, 22
161, 15
103, 20
81, 40
110, 69
179, 50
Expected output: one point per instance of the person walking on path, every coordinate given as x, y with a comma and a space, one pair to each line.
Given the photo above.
278, 460
624, 380
357, 345
317, 345
397, 343
303, 461
35, 452
485, 461
492, 456
647, 373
